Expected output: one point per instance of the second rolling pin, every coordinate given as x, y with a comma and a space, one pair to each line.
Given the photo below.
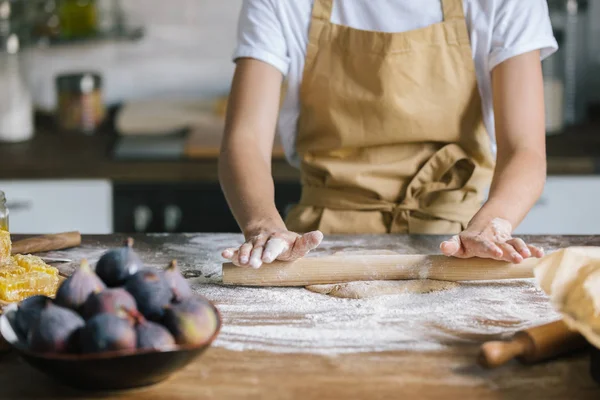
40, 244
532, 345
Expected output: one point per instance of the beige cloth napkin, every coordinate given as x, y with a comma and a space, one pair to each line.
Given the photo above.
571, 277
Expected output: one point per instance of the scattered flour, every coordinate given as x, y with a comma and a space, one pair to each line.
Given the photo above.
294, 320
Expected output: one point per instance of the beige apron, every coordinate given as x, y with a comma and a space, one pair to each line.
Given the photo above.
390, 135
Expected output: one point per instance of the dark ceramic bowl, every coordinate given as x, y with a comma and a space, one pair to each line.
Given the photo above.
106, 371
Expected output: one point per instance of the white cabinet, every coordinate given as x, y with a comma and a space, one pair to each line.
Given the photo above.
570, 205
52, 206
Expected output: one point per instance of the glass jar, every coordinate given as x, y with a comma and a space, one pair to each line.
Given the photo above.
3, 212
80, 102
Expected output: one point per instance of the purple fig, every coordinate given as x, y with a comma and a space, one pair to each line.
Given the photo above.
107, 332
151, 293
191, 322
55, 331
108, 301
117, 265
75, 290
28, 313
178, 284
150, 335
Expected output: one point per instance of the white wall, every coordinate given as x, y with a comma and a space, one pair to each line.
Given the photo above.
186, 52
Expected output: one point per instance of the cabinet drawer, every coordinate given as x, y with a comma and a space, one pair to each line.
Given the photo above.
568, 206
50, 206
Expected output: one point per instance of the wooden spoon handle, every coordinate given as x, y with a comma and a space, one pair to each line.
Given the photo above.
44, 243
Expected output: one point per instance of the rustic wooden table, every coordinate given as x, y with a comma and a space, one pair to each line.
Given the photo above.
449, 372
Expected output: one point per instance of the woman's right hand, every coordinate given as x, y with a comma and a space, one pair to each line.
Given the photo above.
266, 246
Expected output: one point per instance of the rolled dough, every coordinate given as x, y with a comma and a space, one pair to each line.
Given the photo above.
365, 290
571, 277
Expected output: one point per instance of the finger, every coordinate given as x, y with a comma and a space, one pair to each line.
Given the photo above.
510, 253
521, 247
236, 260
304, 244
274, 248
312, 240
228, 253
244, 253
488, 249
536, 252
451, 247
256, 257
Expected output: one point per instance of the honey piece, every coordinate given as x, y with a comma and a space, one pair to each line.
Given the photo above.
23, 276
5, 246
19, 287
34, 264
10, 269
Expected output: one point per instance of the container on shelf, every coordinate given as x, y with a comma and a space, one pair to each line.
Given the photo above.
80, 102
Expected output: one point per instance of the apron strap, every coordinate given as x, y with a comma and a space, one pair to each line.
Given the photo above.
453, 9
322, 10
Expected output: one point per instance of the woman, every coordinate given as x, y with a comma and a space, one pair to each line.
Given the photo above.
399, 114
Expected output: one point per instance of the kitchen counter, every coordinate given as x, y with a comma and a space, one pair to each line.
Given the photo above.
272, 348
50, 156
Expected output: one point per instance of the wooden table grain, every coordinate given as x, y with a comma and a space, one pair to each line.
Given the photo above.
223, 374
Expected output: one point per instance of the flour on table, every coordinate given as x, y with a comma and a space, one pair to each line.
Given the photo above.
369, 289
295, 320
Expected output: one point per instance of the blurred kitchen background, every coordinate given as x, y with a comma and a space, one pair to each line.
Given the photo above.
111, 113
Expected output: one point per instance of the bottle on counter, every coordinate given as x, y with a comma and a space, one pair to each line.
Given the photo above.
16, 105
3, 212
554, 88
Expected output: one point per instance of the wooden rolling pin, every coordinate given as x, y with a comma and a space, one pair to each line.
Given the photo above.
44, 243
348, 268
532, 345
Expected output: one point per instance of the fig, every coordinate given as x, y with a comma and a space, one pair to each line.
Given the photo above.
75, 290
107, 332
191, 321
108, 301
55, 331
28, 313
178, 284
150, 335
151, 293
117, 265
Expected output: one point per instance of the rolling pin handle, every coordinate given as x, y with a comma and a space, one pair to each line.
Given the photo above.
495, 354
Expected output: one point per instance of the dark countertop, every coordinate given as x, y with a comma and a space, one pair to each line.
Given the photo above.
51, 156
241, 363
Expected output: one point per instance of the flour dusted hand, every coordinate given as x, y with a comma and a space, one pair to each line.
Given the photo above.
491, 240
268, 246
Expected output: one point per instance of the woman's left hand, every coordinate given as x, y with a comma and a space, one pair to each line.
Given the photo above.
490, 240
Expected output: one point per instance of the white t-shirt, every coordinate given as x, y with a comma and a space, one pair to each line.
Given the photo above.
276, 32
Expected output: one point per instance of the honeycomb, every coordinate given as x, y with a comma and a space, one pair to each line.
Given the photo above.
23, 276
34, 264
18, 287
5, 246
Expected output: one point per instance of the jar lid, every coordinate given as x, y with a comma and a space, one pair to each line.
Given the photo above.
81, 82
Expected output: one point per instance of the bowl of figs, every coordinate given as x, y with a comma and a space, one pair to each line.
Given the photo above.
118, 326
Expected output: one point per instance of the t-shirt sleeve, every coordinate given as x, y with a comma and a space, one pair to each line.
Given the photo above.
520, 26
261, 35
